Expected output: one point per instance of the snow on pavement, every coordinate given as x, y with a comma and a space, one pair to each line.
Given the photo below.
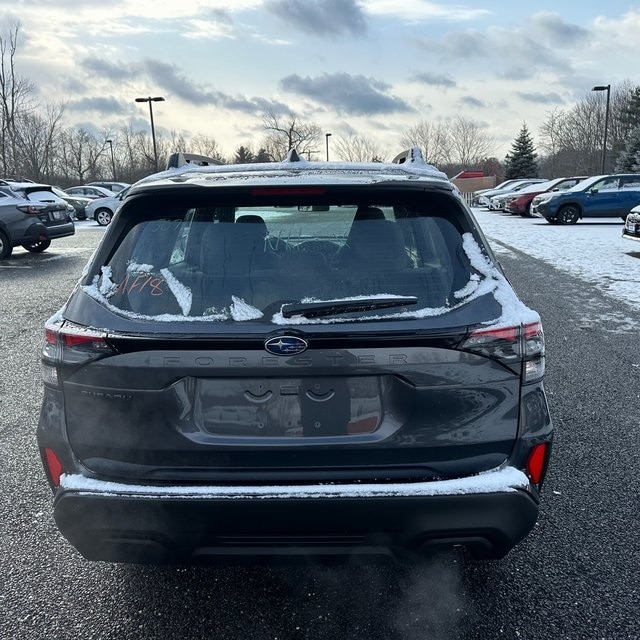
593, 251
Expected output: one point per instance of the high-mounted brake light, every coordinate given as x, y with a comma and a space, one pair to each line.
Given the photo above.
288, 191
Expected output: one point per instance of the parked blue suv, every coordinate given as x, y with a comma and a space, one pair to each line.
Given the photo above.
598, 197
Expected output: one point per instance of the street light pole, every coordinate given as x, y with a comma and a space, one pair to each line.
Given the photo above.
153, 130
113, 162
326, 139
607, 88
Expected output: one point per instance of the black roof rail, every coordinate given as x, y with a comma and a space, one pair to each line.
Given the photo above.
293, 156
412, 155
181, 159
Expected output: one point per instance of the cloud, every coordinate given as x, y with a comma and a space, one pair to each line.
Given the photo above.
331, 18
458, 45
471, 101
355, 95
170, 77
254, 106
212, 24
434, 80
218, 15
116, 71
557, 32
109, 106
423, 11
518, 72
540, 98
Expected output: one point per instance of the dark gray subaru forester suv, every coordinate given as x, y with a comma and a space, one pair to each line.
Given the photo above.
294, 360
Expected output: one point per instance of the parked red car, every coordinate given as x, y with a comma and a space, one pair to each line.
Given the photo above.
522, 203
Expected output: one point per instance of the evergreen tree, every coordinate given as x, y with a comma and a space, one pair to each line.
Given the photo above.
262, 156
243, 155
630, 112
521, 161
629, 159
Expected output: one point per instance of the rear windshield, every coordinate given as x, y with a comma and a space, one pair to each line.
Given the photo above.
248, 263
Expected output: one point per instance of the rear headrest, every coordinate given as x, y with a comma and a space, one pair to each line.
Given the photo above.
368, 213
376, 245
256, 222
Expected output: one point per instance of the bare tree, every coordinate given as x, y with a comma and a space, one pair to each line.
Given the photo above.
289, 133
433, 140
456, 142
15, 100
37, 138
83, 153
469, 143
354, 148
176, 142
573, 138
207, 146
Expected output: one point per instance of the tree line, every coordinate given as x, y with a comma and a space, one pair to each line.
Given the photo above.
36, 143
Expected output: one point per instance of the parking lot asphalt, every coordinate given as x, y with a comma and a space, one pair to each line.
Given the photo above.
574, 577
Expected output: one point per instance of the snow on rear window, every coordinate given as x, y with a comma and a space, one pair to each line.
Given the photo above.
244, 263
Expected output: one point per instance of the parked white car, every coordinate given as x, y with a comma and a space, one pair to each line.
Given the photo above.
631, 230
116, 187
103, 209
89, 191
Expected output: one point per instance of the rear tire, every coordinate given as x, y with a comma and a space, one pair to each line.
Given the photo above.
38, 247
5, 246
103, 217
569, 214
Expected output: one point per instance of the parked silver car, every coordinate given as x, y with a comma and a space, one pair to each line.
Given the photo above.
103, 209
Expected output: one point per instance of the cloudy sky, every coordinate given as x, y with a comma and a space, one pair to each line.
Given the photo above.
370, 67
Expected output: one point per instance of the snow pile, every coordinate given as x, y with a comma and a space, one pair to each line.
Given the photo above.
241, 311
181, 292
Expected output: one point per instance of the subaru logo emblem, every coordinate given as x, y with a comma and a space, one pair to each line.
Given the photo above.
286, 345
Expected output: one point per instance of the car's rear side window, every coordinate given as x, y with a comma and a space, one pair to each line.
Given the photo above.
244, 262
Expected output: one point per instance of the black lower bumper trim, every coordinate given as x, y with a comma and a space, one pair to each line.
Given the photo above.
194, 530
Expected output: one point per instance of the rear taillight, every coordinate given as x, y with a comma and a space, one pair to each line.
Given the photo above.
537, 462
66, 343
31, 208
521, 343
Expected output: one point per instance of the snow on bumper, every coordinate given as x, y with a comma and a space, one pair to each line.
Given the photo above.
494, 481
488, 514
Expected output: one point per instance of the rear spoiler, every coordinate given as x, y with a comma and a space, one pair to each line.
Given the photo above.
30, 188
177, 160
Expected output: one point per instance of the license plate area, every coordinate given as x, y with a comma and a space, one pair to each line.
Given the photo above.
284, 409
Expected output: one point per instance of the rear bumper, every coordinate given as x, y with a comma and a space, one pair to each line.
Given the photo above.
38, 231
120, 523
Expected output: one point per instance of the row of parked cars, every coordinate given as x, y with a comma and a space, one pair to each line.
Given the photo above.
32, 214
565, 200
97, 200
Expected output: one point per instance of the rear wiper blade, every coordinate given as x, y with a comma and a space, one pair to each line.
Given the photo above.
333, 307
